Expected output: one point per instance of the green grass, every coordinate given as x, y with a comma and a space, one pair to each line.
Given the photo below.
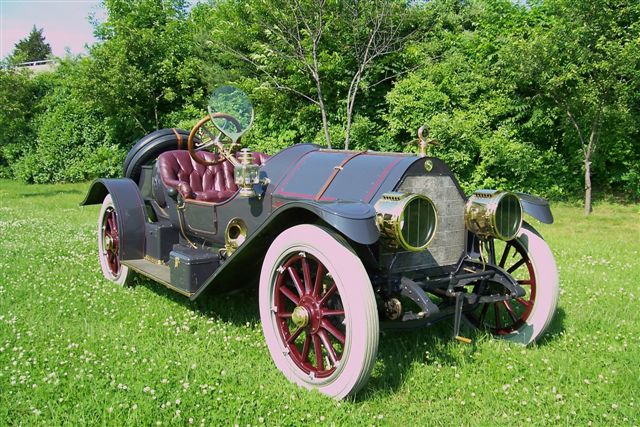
75, 349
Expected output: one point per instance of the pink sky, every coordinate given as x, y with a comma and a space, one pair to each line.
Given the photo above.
65, 23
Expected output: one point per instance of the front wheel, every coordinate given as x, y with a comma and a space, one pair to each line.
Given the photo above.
109, 245
530, 261
318, 311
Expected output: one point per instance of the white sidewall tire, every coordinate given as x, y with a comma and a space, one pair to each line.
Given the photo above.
354, 287
547, 287
125, 275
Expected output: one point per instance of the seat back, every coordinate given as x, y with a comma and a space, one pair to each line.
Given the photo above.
194, 181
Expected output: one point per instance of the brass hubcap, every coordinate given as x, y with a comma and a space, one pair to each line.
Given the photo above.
108, 242
300, 316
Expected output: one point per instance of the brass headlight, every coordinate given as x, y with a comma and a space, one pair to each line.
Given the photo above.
407, 220
491, 213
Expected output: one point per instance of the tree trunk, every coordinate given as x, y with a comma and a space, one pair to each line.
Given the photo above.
347, 132
323, 112
587, 186
325, 123
351, 100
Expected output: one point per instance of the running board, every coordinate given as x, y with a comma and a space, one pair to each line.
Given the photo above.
157, 272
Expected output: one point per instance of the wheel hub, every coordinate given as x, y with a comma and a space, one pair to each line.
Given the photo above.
108, 242
300, 316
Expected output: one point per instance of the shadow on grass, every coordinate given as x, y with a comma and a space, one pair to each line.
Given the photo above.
237, 307
50, 193
555, 329
398, 351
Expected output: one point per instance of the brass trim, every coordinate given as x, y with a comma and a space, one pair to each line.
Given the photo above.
235, 235
481, 211
154, 260
300, 316
390, 212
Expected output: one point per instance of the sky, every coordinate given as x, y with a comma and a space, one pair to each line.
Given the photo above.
65, 23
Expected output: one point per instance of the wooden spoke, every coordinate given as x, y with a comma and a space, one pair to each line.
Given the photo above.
327, 345
333, 330
320, 271
332, 290
509, 309
295, 335
306, 272
296, 280
306, 347
505, 255
524, 302
331, 313
317, 349
517, 265
289, 294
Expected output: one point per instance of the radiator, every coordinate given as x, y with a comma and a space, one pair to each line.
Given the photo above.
448, 244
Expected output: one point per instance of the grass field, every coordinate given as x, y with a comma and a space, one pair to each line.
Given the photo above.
75, 349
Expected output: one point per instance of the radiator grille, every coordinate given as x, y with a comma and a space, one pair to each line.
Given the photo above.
448, 243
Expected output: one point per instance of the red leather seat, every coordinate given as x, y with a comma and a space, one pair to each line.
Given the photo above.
205, 183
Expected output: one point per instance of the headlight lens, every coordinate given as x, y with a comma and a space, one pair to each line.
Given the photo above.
491, 213
407, 220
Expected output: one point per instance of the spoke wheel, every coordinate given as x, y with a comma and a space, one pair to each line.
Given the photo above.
529, 260
310, 314
318, 311
109, 244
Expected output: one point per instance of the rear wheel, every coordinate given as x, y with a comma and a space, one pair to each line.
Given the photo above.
109, 245
530, 261
318, 311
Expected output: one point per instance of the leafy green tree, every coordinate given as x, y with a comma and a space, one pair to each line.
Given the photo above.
318, 50
463, 92
73, 140
582, 57
31, 48
18, 97
143, 72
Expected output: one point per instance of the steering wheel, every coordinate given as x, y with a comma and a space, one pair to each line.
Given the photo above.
209, 135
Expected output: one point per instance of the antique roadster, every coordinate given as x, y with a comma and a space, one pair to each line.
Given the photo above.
343, 243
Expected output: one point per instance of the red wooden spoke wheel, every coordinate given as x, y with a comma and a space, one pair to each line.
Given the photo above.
318, 311
109, 239
310, 314
529, 260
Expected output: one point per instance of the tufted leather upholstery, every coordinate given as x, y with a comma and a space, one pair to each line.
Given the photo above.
206, 183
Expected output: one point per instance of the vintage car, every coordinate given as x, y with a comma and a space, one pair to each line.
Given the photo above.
343, 242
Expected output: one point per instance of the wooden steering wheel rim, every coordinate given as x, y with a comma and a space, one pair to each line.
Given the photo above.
194, 130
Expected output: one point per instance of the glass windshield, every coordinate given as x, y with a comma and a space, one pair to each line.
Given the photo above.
233, 110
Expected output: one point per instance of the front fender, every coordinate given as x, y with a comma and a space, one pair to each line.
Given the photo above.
537, 207
355, 220
130, 212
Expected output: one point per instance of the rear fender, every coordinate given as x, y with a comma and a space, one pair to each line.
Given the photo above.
130, 212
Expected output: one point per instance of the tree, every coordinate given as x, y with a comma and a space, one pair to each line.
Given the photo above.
32, 47
313, 49
143, 72
583, 57
18, 97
